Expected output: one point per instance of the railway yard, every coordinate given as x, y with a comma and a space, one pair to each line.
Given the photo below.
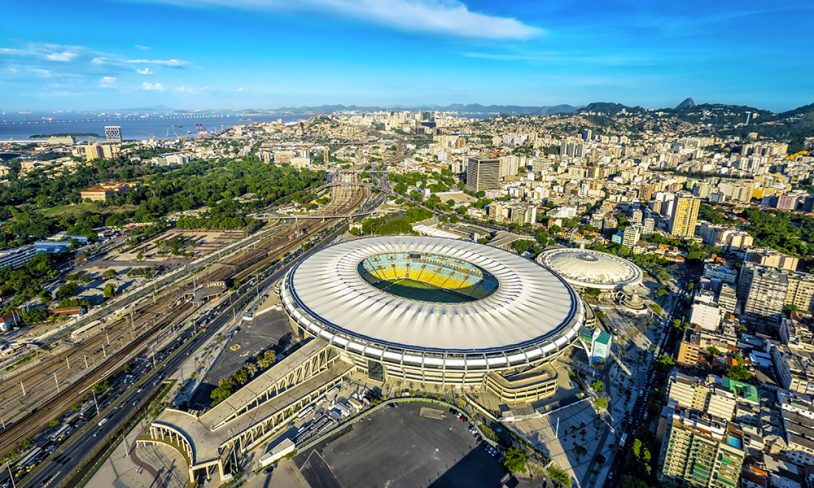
35, 391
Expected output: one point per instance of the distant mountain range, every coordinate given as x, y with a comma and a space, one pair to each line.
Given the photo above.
455, 107
793, 125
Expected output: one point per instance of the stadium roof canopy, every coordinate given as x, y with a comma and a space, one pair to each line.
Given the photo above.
530, 306
584, 268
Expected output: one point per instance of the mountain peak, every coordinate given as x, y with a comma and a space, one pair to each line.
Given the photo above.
687, 103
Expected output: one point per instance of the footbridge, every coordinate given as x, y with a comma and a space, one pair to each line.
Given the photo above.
216, 440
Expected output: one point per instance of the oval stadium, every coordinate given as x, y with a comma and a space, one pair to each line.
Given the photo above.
435, 311
584, 268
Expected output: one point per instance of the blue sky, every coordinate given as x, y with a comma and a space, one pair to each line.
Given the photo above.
199, 54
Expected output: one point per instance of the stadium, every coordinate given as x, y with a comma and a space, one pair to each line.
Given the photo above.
438, 311
586, 269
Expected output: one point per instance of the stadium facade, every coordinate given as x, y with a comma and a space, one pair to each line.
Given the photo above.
432, 310
586, 269
417, 312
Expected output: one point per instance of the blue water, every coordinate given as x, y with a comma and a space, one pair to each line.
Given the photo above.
22, 127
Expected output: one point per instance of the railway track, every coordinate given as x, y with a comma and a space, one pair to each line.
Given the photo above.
39, 417
122, 339
61, 366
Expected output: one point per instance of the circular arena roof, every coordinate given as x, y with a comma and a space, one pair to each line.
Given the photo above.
591, 269
532, 312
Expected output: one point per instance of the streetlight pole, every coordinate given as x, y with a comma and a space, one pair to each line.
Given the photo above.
10, 475
96, 403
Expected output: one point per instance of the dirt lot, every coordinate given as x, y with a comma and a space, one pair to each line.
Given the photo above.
174, 245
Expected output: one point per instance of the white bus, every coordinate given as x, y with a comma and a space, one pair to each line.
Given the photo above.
28, 462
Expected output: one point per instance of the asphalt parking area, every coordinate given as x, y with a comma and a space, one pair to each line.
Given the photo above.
255, 336
395, 447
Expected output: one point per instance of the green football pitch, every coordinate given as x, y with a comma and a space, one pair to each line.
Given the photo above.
419, 290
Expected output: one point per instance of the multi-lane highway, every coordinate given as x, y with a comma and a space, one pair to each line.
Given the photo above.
57, 380
125, 396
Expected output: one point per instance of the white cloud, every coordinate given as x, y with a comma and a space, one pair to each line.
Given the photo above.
184, 89
98, 60
108, 81
240, 90
62, 56
172, 63
152, 86
142, 47
144, 71
446, 17
42, 72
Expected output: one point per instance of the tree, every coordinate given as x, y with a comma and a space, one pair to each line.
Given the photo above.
713, 351
109, 291
664, 363
515, 460
53, 423
241, 376
629, 481
219, 394
101, 387
109, 274
790, 309
642, 455
598, 386
601, 403
592, 292
522, 246
265, 360
67, 290
34, 315
559, 476
738, 373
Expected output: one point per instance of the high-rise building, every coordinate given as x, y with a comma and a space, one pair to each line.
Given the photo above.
631, 235
765, 256
100, 151
800, 292
483, 174
684, 215
648, 225
728, 298
762, 293
702, 450
113, 133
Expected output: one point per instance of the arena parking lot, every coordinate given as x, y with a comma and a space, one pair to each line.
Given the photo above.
395, 447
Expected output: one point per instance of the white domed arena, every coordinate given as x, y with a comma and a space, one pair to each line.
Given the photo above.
432, 310
583, 268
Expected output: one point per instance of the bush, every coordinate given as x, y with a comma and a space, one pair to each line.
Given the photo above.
559, 476
515, 460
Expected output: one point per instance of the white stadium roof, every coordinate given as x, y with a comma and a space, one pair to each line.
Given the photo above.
530, 308
591, 269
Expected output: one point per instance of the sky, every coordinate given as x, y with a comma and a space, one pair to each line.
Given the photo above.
264, 54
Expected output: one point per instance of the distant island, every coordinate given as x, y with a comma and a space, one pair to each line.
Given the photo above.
66, 134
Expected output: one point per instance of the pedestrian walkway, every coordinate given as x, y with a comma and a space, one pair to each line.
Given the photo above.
142, 466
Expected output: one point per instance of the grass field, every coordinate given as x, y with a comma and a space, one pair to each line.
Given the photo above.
417, 290
408, 283
74, 210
